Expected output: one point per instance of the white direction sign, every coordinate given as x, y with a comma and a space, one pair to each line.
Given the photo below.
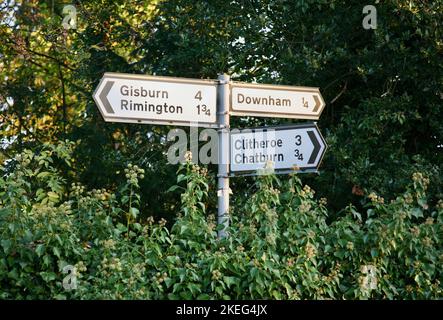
298, 147
158, 100
276, 101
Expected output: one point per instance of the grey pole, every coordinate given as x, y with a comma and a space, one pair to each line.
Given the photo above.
223, 153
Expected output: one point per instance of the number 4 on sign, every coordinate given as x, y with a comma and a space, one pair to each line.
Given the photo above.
298, 155
198, 95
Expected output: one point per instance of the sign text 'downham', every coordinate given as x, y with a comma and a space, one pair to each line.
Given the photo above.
264, 100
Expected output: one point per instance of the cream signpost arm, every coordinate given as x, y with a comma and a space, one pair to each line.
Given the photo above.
157, 100
265, 100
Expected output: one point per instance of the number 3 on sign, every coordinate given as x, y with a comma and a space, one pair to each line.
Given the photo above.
298, 140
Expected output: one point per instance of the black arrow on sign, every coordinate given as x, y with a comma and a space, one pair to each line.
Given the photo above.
317, 146
103, 96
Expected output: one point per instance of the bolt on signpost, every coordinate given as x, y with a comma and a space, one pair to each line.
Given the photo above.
209, 103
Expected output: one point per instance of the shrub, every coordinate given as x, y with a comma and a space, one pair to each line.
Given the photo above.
64, 242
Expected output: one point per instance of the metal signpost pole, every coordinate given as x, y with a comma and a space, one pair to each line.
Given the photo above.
223, 153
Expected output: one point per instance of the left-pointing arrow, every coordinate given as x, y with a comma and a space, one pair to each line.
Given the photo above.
104, 96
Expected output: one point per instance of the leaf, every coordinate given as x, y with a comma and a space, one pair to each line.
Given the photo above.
133, 212
173, 188
186, 295
60, 241
47, 260
169, 282
172, 296
53, 197
177, 287
422, 203
125, 199
13, 274
194, 288
121, 227
48, 276
219, 291
12, 227
374, 253
183, 228
417, 212
365, 238
56, 252
6, 244
181, 177
277, 295
254, 272
40, 249
28, 236
43, 174
230, 281
340, 254
356, 214
5, 211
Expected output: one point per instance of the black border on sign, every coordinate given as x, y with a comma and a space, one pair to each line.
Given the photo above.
309, 169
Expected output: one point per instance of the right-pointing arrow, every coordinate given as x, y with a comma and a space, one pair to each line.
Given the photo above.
317, 146
317, 103
104, 96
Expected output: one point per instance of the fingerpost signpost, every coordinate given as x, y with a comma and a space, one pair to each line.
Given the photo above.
158, 100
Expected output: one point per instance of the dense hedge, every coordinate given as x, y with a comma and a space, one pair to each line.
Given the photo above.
281, 245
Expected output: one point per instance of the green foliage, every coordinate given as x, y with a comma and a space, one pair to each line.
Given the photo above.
281, 245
